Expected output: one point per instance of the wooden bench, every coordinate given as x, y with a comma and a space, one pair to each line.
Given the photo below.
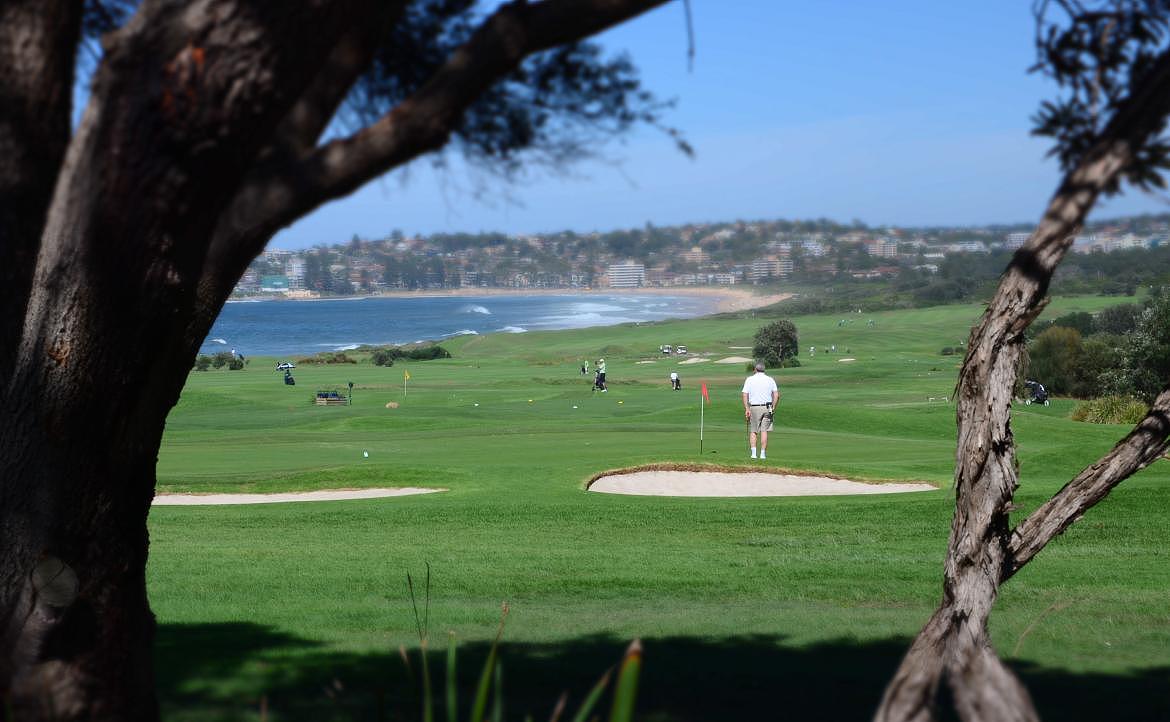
331, 401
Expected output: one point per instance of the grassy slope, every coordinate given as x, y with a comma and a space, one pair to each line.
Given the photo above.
279, 599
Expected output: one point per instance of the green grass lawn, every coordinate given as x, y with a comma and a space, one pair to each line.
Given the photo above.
748, 608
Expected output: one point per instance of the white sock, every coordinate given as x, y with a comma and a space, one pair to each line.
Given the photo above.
763, 455
753, 452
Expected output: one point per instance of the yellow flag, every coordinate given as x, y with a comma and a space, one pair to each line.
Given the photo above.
405, 375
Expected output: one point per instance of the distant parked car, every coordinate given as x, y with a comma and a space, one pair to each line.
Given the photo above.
680, 350
666, 349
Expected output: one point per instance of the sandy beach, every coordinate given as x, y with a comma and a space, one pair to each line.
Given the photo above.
726, 298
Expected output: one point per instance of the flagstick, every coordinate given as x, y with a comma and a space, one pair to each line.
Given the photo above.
701, 410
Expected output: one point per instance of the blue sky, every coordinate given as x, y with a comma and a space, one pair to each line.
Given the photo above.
913, 112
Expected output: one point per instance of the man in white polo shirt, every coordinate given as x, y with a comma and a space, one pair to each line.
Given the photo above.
760, 396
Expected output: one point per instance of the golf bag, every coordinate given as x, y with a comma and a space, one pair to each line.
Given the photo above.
288, 378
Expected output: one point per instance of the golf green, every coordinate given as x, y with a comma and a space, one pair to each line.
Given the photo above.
794, 607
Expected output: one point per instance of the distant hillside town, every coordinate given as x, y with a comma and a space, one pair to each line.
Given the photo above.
697, 254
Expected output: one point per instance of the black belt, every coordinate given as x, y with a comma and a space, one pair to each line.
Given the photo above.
759, 404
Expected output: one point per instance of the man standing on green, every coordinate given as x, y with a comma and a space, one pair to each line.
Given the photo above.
600, 382
760, 397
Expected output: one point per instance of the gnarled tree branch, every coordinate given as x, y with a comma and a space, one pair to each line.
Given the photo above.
955, 645
1142, 446
424, 121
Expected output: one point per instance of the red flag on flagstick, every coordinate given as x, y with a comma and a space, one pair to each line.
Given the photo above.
704, 390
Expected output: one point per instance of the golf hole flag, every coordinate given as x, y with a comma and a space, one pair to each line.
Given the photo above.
405, 378
702, 407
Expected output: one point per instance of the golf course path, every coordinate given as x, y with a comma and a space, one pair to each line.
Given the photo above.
323, 495
721, 483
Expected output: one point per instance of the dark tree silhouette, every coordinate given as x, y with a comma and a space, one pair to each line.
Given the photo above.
121, 240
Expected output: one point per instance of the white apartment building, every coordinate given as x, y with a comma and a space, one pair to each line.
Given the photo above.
627, 275
1015, 240
696, 255
296, 273
764, 268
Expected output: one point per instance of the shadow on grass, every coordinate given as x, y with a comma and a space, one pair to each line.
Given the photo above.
228, 671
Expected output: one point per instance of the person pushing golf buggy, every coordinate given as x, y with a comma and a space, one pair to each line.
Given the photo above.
1037, 394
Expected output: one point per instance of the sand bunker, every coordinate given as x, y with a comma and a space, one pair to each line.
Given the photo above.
733, 360
693, 360
324, 495
722, 483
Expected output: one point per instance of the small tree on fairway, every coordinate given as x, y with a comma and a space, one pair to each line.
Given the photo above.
775, 342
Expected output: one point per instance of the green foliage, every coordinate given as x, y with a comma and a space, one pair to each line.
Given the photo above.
776, 342
1110, 410
383, 356
221, 359
235, 363
947, 351
1053, 358
1119, 320
387, 355
326, 357
1148, 352
202, 362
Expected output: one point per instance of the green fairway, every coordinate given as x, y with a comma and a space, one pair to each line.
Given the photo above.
748, 608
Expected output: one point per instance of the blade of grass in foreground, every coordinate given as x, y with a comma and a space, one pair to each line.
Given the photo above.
626, 689
498, 697
485, 677
590, 699
452, 697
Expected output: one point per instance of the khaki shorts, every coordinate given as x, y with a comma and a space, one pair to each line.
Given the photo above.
758, 422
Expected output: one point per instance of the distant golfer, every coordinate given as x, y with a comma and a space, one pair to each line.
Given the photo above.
675, 381
599, 379
760, 397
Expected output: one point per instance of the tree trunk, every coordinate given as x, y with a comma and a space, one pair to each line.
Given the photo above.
118, 251
110, 327
984, 551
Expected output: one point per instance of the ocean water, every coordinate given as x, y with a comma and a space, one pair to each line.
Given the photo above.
282, 328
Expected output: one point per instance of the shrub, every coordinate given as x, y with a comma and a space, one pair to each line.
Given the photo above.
387, 355
427, 353
327, 357
235, 364
947, 351
202, 362
1053, 358
221, 359
1110, 410
775, 342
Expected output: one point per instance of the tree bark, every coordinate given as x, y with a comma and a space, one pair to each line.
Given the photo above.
37, 40
178, 110
984, 551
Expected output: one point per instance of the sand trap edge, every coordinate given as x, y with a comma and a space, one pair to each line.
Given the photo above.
732, 481
286, 497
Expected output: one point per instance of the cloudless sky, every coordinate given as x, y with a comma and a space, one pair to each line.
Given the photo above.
913, 112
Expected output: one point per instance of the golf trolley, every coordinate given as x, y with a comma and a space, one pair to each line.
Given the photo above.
1037, 394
